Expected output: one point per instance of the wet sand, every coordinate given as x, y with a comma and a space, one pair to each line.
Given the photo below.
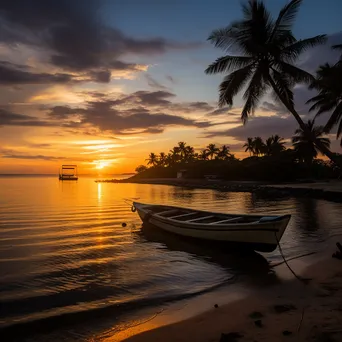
289, 311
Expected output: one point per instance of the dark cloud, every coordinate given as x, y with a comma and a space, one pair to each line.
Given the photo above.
61, 112
8, 118
259, 126
200, 106
11, 74
39, 145
105, 115
38, 156
94, 94
12, 154
101, 76
277, 108
322, 54
153, 83
142, 111
222, 111
73, 34
151, 98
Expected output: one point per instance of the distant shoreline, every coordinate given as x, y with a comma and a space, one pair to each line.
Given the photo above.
330, 190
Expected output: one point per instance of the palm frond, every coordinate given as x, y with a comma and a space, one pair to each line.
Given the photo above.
326, 107
293, 51
232, 84
339, 130
283, 88
285, 19
253, 94
225, 38
334, 118
294, 74
226, 63
317, 98
337, 47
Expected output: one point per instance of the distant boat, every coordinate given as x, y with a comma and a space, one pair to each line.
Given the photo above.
68, 172
261, 233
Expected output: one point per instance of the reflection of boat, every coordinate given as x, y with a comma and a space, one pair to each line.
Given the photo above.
235, 260
68, 172
261, 233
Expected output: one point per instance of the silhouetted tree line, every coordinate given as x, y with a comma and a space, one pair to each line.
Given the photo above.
269, 160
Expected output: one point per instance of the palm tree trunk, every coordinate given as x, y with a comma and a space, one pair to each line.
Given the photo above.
322, 148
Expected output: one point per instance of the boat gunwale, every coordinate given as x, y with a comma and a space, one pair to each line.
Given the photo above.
195, 225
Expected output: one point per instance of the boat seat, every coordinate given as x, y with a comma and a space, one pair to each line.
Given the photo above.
199, 218
167, 211
183, 215
234, 219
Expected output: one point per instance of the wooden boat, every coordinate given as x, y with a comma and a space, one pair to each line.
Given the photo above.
68, 172
261, 233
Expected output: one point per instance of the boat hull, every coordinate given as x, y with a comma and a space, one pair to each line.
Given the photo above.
262, 237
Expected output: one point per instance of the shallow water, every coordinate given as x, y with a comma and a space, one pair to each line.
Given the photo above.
64, 253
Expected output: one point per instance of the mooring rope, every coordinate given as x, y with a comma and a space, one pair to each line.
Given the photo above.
301, 279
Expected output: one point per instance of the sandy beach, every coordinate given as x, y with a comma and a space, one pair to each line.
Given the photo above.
290, 311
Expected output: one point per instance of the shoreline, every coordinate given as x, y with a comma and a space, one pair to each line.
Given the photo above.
330, 190
279, 306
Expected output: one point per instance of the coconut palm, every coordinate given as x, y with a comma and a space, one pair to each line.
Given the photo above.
259, 146
162, 159
274, 145
152, 159
203, 155
175, 152
249, 146
224, 153
169, 160
189, 154
182, 149
305, 141
212, 150
267, 51
329, 98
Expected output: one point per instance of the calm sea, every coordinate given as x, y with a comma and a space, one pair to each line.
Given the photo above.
66, 259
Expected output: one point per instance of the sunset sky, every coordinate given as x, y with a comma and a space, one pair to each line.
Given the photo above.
103, 83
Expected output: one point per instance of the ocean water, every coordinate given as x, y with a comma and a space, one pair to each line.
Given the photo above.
67, 261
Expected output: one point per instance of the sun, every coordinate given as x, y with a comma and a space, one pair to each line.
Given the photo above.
101, 164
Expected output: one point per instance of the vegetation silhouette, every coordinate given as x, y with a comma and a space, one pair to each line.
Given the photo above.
305, 142
270, 160
329, 99
265, 51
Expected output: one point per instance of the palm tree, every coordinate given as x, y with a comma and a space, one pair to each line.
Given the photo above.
203, 155
169, 160
274, 145
212, 150
259, 146
189, 154
305, 145
224, 153
162, 159
329, 98
182, 149
267, 51
249, 146
175, 152
152, 159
